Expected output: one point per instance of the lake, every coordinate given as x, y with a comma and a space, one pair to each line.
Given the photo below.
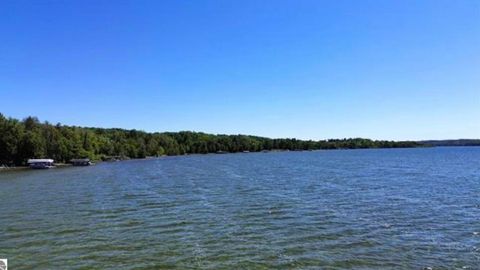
338, 209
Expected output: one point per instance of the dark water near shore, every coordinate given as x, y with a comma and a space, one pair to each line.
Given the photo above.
351, 209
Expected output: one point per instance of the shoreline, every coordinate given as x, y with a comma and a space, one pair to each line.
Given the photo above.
64, 165
20, 168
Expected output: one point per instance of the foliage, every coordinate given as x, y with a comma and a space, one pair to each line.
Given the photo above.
21, 140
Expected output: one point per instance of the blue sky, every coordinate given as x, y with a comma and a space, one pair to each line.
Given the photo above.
305, 69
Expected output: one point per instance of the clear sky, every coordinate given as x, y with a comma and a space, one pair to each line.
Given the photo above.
403, 69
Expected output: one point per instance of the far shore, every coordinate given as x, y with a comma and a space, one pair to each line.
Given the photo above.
62, 165
19, 168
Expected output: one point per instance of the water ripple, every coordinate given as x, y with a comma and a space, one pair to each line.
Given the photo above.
358, 209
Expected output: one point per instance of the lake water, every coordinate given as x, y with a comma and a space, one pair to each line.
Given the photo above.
345, 209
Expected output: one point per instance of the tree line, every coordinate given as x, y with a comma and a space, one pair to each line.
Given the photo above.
29, 138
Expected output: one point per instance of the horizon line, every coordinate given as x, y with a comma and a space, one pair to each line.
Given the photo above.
232, 134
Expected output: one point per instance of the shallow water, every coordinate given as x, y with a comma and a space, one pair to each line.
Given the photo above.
345, 209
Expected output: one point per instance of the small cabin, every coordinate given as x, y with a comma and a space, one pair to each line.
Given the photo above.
81, 162
41, 163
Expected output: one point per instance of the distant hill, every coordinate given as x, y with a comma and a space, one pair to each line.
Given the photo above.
460, 142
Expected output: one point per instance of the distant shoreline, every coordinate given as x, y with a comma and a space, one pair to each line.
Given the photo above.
29, 138
20, 168
63, 165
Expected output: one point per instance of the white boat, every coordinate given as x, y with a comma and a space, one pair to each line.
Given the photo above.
41, 163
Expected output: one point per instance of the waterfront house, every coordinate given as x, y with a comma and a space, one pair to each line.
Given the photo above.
41, 163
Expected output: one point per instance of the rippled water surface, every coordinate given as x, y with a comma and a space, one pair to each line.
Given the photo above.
350, 209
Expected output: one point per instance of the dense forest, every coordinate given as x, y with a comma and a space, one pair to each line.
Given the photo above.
460, 142
29, 138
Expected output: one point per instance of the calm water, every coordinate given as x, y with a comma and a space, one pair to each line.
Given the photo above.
351, 209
